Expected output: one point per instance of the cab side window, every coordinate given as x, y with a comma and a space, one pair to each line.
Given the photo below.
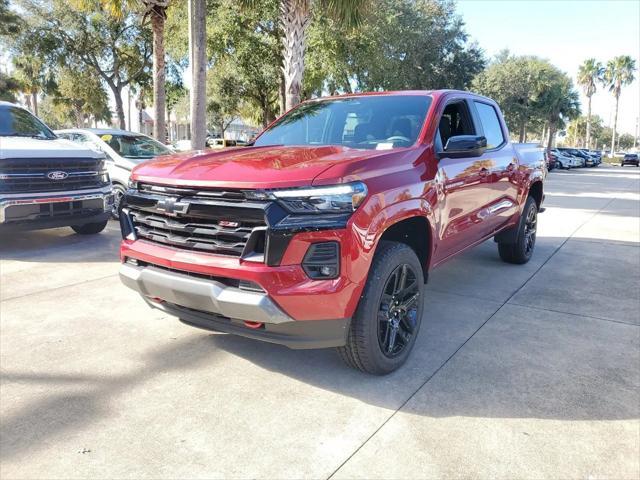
455, 120
490, 124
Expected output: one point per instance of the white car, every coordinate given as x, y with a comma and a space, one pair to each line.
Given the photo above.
124, 150
565, 162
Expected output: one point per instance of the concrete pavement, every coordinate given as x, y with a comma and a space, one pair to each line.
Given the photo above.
519, 371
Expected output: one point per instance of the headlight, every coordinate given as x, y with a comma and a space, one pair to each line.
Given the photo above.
331, 199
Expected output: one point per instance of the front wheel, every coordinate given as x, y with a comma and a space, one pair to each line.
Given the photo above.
387, 320
521, 250
89, 228
118, 195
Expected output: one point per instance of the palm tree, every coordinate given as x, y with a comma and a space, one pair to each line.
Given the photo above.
561, 104
618, 73
156, 12
198, 64
589, 74
295, 16
30, 75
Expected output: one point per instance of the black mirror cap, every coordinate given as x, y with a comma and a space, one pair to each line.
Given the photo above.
463, 146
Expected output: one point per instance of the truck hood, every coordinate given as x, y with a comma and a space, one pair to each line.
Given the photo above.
248, 167
25, 147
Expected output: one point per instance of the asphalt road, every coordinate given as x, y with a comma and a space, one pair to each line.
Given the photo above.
519, 371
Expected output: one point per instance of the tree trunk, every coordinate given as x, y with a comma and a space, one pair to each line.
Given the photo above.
282, 98
523, 132
588, 122
159, 94
117, 95
615, 125
34, 96
294, 16
552, 135
198, 63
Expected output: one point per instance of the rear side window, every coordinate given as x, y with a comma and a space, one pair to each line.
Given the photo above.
490, 124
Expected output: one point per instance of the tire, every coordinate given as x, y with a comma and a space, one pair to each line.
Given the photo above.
89, 228
368, 347
521, 251
118, 194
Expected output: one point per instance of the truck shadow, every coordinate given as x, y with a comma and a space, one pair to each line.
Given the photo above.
474, 357
61, 245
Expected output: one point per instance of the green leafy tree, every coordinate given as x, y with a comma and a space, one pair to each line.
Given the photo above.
83, 94
589, 75
223, 98
399, 44
294, 19
31, 74
9, 86
618, 73
117, 51
559, 102
532, 93
10, 22
625, 141
156, 12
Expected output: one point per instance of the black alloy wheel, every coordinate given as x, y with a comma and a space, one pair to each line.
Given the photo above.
397, 314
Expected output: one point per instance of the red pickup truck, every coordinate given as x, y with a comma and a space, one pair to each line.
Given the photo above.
322, 234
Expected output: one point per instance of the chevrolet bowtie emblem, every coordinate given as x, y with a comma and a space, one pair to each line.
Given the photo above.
171, 206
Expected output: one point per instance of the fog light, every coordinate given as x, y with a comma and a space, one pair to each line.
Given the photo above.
322, 261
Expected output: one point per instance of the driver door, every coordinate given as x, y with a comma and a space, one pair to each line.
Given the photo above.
463, 184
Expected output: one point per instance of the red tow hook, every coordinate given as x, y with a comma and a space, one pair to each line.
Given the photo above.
254, 325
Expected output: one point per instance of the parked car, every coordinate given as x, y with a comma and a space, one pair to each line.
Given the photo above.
323, 234
220, 143
584, 159
47, 182
563, 161
595, 157
630, 159
124, 150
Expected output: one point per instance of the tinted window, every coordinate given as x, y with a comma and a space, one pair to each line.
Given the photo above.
17, 122
490, 124
376, 122
455, 120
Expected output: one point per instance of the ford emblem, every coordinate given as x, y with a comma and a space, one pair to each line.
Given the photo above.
57, 175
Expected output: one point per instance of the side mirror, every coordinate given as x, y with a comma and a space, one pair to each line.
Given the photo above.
464, 146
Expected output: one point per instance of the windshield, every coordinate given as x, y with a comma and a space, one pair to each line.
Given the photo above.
375, 122
135, 146
17, 122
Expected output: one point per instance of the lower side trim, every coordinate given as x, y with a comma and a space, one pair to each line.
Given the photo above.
295, 334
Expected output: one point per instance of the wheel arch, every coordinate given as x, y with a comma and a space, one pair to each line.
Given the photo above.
415, 232
536, 191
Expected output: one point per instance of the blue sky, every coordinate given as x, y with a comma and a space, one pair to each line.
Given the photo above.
564, 32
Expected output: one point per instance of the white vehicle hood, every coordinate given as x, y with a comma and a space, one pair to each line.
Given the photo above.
25, 147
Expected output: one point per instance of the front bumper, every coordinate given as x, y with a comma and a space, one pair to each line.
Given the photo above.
48, 210
211, 305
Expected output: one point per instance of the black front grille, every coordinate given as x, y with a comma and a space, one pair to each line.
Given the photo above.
221, 226
30, 175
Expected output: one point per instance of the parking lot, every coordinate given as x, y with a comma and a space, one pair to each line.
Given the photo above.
519, 371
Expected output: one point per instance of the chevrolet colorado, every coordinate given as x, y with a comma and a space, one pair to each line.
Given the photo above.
48, 182
322, 234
